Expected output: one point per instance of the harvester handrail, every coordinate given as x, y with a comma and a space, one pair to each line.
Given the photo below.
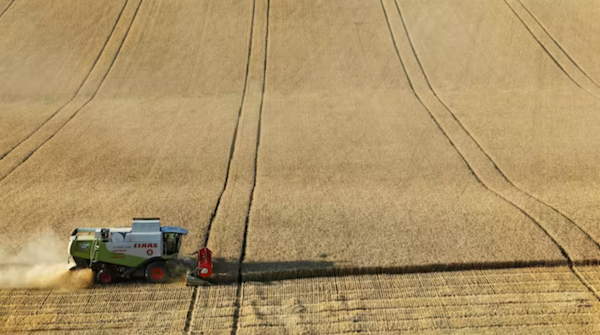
83, 230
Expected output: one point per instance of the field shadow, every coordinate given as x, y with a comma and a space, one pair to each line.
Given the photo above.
227, 271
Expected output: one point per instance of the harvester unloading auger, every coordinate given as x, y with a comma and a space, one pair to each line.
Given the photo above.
143, 250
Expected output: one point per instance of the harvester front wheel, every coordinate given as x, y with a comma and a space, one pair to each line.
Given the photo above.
105, 276
156, 272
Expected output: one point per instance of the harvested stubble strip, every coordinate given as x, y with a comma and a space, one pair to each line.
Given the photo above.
525, 112
575, 27
47, 49
214, 309
352, 170
592, 275
154, 141
379, 304
115, 331
122, 306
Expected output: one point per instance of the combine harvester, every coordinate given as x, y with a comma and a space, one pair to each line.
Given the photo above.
143, 250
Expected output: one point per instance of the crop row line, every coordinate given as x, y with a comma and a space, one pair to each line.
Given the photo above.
552, 326
441, 306
428, 318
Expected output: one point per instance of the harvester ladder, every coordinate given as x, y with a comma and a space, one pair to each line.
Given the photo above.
93, 252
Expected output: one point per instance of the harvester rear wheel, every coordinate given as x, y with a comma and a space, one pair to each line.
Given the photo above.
105, 276
156, 272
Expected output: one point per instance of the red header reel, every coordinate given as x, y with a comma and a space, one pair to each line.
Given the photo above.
205, 265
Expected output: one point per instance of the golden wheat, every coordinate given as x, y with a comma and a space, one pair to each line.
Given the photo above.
48, 49
575, 26
154, 141
531, 118
121, 306
360, 165
352, 169
528, 300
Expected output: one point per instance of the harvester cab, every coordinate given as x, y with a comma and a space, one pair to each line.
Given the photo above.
144, 249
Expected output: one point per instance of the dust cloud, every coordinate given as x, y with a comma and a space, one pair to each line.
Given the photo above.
43, 263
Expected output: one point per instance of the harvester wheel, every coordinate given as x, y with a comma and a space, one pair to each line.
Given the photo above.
156, 272
105, 276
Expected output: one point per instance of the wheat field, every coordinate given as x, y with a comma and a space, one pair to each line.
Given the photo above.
544, 300
527, 113
45, 59
144, 143
122, 308
373, 166
574, 27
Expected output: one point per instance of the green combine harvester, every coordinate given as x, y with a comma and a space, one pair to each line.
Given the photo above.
143, 250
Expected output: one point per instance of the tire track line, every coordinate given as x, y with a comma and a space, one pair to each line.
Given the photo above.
135, 49
240, 287
464, 159
303, 273
21, 156
235, 132
6, 8
551, 47
572, 239
489, 158
78, 89
227, 233
491, 175
194, 301
557, 44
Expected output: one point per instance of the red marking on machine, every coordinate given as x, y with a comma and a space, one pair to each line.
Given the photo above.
149, 252
205, 263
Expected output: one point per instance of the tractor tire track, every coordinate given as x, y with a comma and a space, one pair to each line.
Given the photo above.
227, 231
190, 318
235, 132
234, 212
135, 49
226, 235
6, 8
85, 94
78, 89
493, 178
551, 47
574, 242
445, 133
489, 158
557, 44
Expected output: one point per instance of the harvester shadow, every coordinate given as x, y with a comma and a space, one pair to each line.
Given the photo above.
227, 270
